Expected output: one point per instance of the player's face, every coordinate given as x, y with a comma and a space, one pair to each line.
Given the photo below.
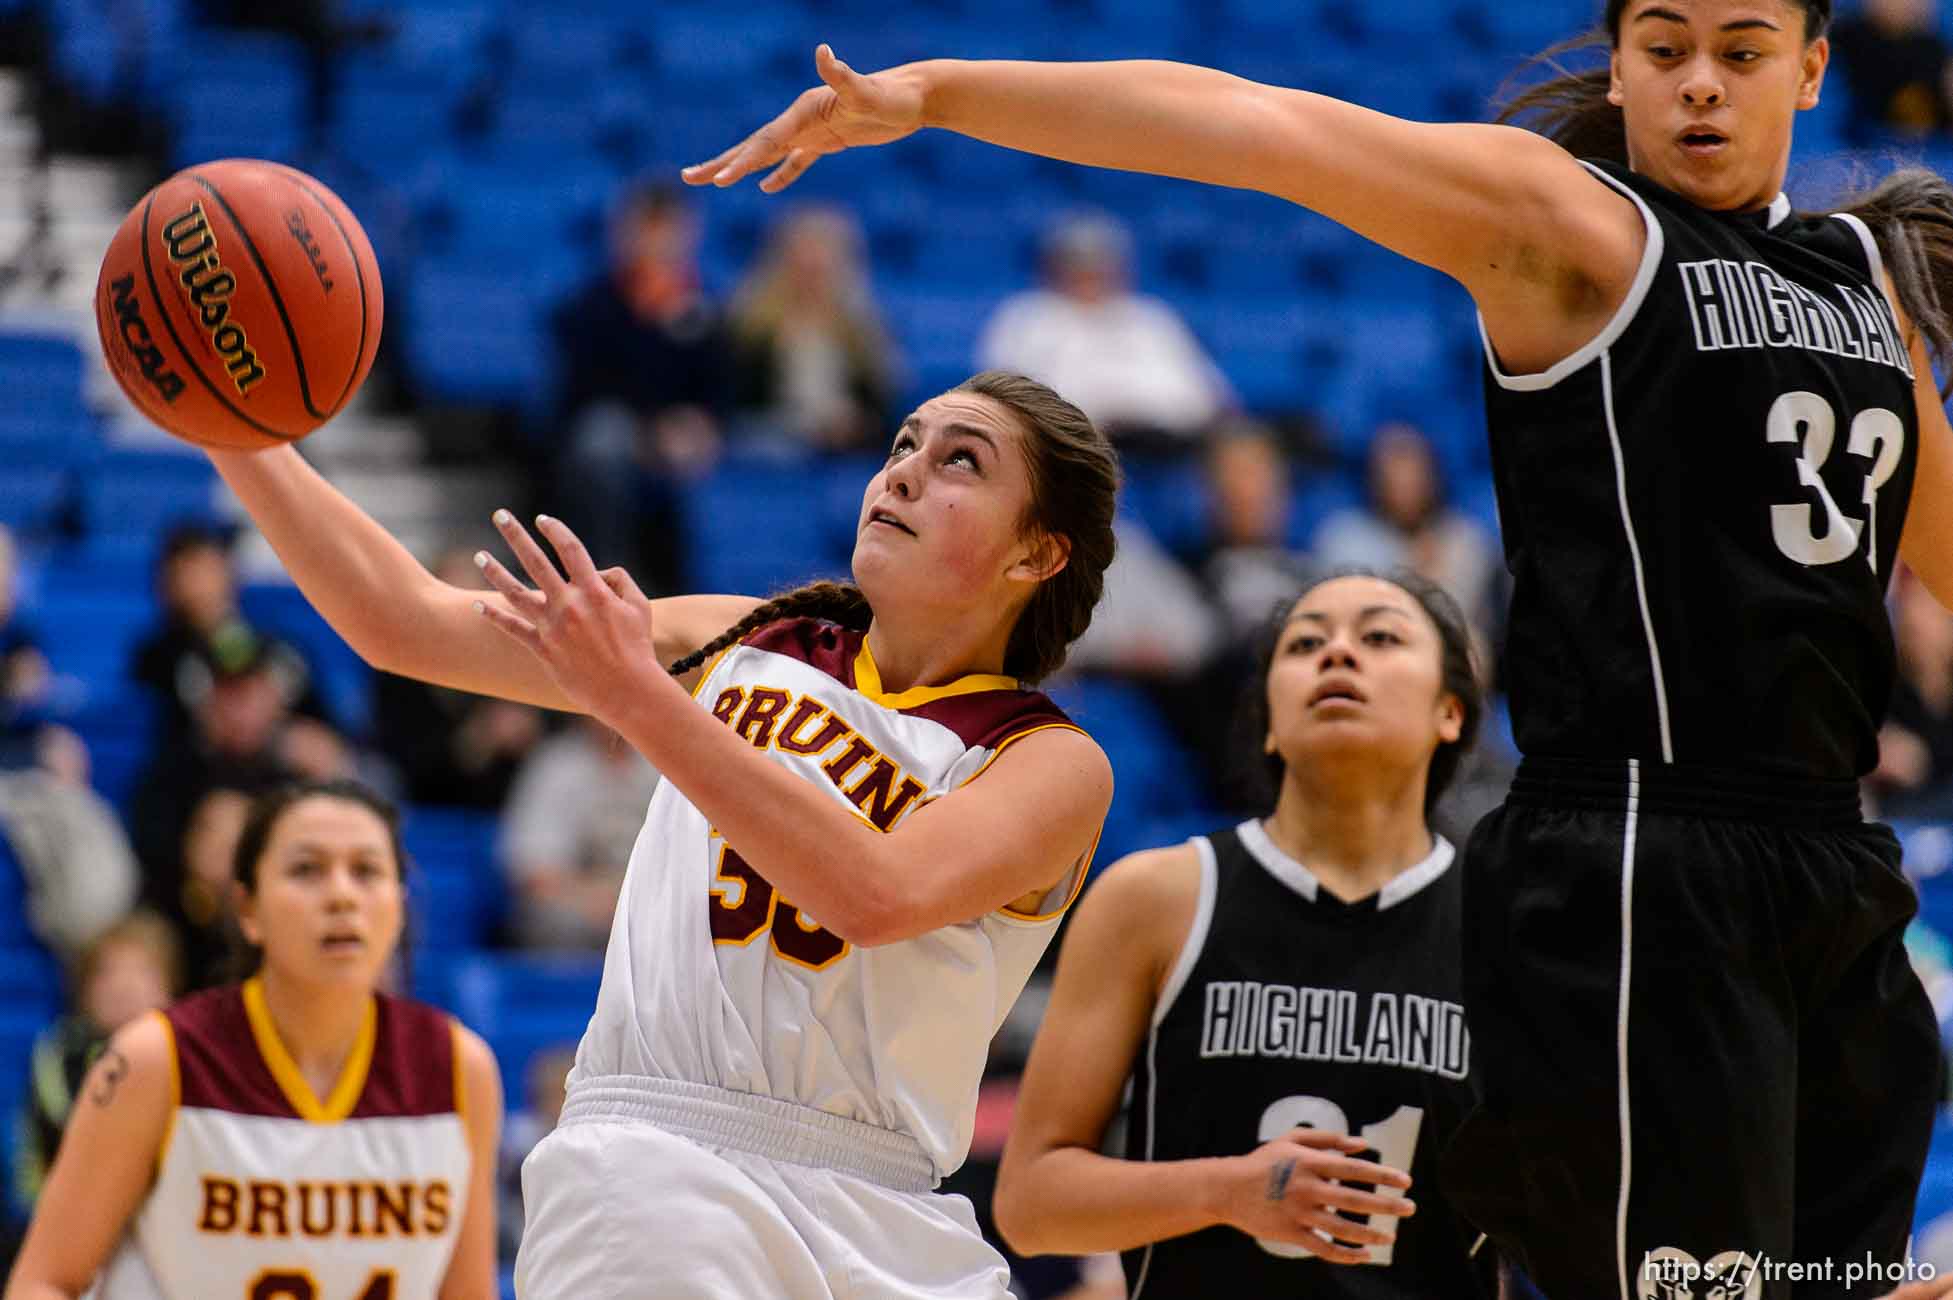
1710, 89
328, 905
1357, 675
942, 523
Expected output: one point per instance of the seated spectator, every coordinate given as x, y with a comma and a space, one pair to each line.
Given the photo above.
451, 747
1250, 568
811, 358
1914, 777
203, 634
1153, 622
1897, 67
243, 737
131, 968
1407, 524
644, 364
75, 859
29, 702
572, 818
1128, 360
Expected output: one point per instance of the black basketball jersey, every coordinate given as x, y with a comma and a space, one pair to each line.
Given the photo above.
1288, 1007
1701, 508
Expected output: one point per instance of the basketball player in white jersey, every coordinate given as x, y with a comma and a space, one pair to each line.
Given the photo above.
300, 1136
1284, 995
867, 833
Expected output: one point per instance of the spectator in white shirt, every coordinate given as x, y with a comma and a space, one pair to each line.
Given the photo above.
572, 817
1127, 359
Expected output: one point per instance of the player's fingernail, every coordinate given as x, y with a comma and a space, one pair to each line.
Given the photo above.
543, 521
503, 518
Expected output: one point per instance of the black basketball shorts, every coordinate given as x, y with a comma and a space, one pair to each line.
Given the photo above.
1704, 1065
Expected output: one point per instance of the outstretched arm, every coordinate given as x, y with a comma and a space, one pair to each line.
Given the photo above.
1056, 1194
1506, 212
391, 610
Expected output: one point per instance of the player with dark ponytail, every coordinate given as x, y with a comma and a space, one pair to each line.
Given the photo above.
1910, 212
1697, 1042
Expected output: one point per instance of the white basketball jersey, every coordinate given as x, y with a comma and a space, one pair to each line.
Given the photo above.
264, 1192
711, 977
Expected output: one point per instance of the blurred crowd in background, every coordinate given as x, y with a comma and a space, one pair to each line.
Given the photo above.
697, 382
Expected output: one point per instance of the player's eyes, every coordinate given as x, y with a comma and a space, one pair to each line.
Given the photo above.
1383, 638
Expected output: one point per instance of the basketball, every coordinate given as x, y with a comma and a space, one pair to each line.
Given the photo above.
239, 304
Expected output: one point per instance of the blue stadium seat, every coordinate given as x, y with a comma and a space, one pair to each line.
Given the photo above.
1170, 499
14, 932
726, 553
344, 679
44, 370
47, 436
523, 1004
938, 326
31, 496
456, 885
473, 338
88, 634
143, 492
1155, 778
1317, 497
224, 79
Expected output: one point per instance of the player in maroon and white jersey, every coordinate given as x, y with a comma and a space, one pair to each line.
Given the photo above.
298, 1136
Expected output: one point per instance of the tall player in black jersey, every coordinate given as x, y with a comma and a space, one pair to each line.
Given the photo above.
1284, 995
1698, 1041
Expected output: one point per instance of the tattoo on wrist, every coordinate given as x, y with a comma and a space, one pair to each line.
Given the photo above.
115, 1068
1278, 1179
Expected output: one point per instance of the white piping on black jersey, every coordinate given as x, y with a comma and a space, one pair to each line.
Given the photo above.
1190, 950
1408, 882
1644, 280
1634, 552
1621, 1020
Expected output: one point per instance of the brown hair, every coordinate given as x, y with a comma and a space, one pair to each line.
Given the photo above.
1074, 491
1910, 213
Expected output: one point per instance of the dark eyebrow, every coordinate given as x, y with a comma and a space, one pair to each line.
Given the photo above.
1368, 612
968, 430
1741, 24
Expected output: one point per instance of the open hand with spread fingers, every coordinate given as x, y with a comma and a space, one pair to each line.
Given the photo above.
1291, 1188
847, 110
591, 629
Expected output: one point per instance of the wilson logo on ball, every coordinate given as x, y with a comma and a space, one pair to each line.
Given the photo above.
192, 246
135, 332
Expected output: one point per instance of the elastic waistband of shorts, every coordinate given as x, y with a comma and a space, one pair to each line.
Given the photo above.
1688, 790
761, 1126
